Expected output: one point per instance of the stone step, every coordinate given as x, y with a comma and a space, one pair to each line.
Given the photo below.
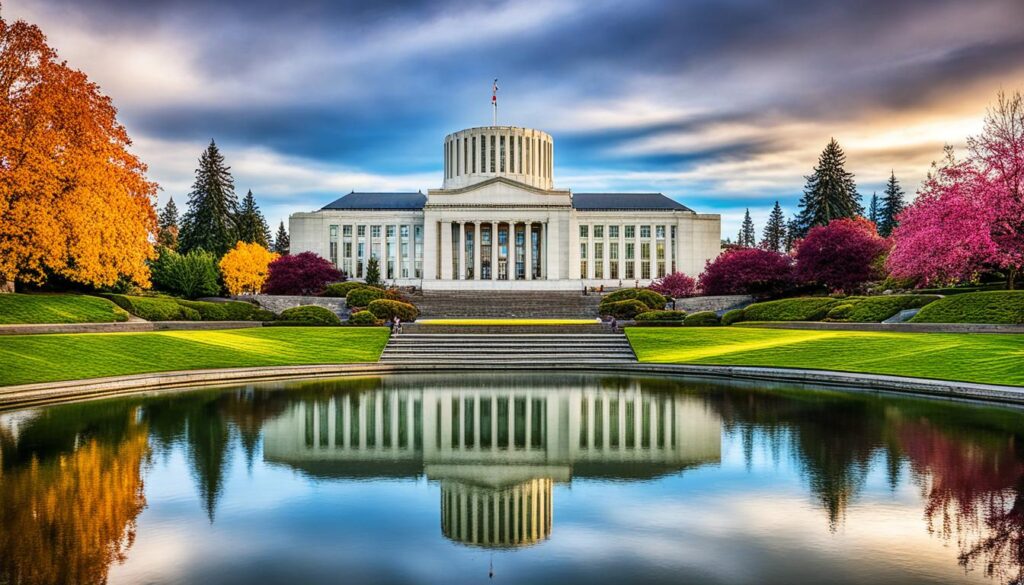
504, 349
524, 358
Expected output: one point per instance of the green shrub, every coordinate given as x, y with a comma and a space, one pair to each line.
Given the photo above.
627, 309
840, 312
192, 275
387, 309
341, 289
207, 311
364, 318
362, 297
155, 308
1000, 307
651, 299
310, 314
733, 316
798, 309
878, 309
702, 319
243, 311
661, 316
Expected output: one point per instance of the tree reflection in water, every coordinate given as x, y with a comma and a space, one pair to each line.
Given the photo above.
71, 477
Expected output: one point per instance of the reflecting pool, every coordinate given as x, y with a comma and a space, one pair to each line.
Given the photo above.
514, 478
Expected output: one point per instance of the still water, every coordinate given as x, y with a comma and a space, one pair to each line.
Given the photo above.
511, 478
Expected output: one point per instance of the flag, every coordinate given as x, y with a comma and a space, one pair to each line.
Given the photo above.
494, 92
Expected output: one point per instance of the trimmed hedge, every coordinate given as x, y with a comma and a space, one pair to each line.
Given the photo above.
155, 308
798, 309
341, 289
733, 316
243, 311
364, 319
999, 307
207, 311
878, 309
311, 315
662, 316
840, 312
702, 319
388, 309
362, 297
651, 299
627, 309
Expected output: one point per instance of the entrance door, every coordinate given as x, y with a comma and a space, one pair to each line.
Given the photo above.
502, 269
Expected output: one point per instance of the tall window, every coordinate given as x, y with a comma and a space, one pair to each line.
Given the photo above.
529, 161
418, 250
584, 230
519, 155
346, 231
583, 260
472, 155
630, 231
598, 231
361, 231
334, 245
630, 254
645, 257
486, 241
613, 257
465, 155
659, 232
598, 257
645, 231
501, 153
613, 231
520, 253
659, 254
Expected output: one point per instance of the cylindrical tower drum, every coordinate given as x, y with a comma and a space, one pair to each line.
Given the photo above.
477, 154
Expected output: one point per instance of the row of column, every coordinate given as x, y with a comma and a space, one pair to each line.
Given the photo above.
670, 251
447, 260
409, 260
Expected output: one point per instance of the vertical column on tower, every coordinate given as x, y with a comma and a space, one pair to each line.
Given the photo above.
528, 239
462, 251
445, 273
494, 250
477, 250
512, 250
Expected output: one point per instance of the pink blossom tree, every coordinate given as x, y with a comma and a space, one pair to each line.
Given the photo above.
676, 285
969, 215
842, 255
748, 271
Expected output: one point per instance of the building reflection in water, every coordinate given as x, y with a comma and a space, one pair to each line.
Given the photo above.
497, 451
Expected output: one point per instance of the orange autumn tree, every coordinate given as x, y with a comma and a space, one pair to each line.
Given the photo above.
74, 201
244, 268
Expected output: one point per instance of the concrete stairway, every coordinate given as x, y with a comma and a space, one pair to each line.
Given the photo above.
508, 349
506, 304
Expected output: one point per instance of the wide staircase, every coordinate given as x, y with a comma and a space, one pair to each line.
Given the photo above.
525, 349
506, 304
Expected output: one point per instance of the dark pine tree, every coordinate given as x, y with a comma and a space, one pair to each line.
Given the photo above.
167, 226
893, 204
209, 223
774, 236
281, 242
747, 237
373, 272
792, 229
252, 227
873, 211
830, 192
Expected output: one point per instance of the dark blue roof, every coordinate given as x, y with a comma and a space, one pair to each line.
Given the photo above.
379, 201
624, 201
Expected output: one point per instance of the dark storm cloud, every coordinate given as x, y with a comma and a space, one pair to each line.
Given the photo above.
677, 86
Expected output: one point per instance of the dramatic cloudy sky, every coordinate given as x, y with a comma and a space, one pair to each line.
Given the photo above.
721, 104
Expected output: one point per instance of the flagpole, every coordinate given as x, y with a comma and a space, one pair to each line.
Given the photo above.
494, 102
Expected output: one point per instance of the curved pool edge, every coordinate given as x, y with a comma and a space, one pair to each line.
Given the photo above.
27, 395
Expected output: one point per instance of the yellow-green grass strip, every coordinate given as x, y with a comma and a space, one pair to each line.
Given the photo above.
16, 309
510, 321
26, 359
966, 357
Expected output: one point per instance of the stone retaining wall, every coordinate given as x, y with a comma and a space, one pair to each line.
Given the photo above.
278, 303
719, 304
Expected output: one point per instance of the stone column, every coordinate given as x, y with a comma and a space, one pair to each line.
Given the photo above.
494, 251
590, 252
622, 252
462, 251
543, 239
606, 256
411, 258
512, 250
529, 249
477, 249
669, 254
554, 269
430, 270
445, 273
398, 251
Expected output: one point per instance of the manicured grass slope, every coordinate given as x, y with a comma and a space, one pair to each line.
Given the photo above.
47, 358
47, 308
991, 359
1003, 307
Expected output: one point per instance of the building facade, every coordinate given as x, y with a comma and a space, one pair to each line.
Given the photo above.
498, 222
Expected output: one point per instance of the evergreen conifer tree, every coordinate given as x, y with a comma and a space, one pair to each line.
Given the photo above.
747, 237
252, 227
873, 211
167, 226
830, 192
373, 272
209, 223
792, 229
774, 236
281, 242
893, 204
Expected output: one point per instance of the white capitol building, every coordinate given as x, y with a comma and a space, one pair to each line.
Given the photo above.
498, 222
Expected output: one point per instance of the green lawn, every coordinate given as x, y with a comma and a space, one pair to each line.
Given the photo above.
985, 358
47, 358
54, 308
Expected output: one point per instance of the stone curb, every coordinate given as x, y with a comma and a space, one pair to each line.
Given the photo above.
36, 394
124, 327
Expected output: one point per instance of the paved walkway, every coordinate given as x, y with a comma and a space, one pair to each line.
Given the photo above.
890, 327
135, 325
